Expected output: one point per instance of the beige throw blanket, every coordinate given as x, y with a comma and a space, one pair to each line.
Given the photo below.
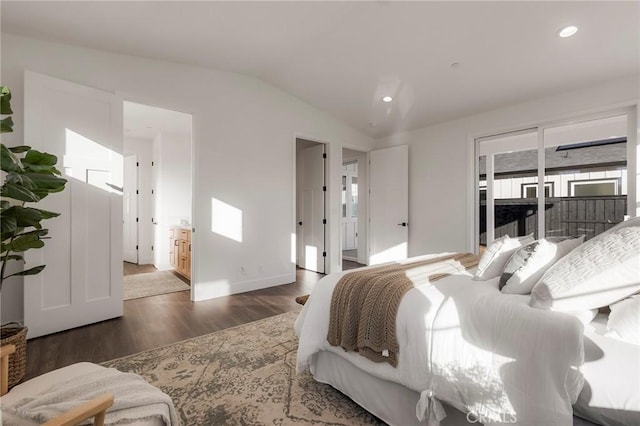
365, 303
135, 399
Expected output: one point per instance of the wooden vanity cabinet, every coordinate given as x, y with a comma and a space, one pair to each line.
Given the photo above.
180, 251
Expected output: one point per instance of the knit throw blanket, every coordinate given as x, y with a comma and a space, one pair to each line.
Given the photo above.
365, 303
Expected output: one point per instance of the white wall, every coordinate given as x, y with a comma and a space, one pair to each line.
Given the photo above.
441, 206
243, 132
142, 148
172, 165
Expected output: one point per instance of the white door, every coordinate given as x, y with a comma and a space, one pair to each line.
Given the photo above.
130, 220
389, 204
82, 281
311, 254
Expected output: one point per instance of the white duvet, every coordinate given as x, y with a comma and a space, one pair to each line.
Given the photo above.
466, 343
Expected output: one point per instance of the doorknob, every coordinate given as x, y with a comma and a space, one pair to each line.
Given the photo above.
300, 223
403, 224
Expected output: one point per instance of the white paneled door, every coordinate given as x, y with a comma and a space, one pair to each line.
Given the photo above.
389, 204
130, 220
82, 281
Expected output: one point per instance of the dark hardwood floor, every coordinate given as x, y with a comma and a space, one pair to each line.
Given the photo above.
155, 321
348, 264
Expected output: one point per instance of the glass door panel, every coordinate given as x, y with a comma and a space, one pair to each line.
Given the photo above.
586, 164
508, 186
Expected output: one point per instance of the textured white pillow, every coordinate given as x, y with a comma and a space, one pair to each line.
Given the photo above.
598, 273
585, 317
624, 319
497, 254
528, 263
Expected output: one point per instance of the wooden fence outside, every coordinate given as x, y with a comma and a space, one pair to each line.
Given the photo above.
573, 216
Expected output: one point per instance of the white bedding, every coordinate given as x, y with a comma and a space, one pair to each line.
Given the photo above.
611, 394
479, 350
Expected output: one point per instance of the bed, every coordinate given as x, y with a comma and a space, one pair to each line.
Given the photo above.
470, 354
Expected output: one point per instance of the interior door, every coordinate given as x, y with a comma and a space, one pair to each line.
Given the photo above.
130, 209
82, 281
312, 203
389, 204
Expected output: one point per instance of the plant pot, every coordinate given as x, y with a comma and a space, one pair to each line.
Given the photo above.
14, 333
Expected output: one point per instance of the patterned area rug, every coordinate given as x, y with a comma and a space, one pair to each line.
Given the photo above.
243, 376
152, 284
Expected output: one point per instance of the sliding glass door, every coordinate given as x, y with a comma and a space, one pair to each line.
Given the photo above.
507, 185
575, 173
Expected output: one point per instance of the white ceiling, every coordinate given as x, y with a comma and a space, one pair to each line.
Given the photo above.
342, 57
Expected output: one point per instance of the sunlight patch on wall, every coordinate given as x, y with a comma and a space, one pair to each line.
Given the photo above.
390, 254
294, 248
92, 163
226, 220
311, 258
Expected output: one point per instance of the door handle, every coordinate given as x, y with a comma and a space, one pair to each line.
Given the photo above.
300, 223
403, 224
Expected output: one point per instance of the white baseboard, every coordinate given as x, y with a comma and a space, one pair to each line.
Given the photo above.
212, 290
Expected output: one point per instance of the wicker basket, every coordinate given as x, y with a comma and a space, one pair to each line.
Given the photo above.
14, 333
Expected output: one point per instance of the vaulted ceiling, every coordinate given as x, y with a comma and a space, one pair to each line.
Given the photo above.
343, 57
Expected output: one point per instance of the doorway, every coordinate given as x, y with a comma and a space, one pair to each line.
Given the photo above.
353, 229
157, 200
311, 199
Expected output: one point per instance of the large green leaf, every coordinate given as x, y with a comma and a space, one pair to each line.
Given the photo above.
49, 182
24, 243
46, 214
17, 192
6, 125
19, 149
8, 224
5, 100
12, 257
32, 271
25, 216
40, 233
42, 158
10, 163
22, 180
38, 168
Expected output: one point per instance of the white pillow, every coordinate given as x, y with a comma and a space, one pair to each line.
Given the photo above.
497, 254
585, 317
624, 319
598, 273
528, 263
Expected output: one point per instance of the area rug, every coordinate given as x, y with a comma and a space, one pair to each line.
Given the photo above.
243, 376
152, 284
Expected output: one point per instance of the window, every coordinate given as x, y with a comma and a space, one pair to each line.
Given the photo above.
594, 187
584, 158
530, 190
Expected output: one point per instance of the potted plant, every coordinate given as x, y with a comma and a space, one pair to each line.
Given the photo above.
28, 176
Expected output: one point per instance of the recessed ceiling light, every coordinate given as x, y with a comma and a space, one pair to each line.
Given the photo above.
567, 31
387, 99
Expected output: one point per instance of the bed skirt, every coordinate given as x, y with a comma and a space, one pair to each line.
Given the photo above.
390, 402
